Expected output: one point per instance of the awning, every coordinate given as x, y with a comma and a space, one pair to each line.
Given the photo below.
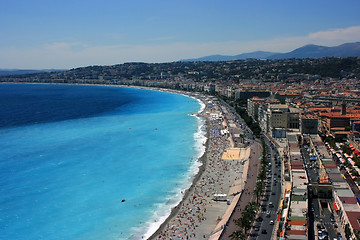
281, 203
220, 195
335, 207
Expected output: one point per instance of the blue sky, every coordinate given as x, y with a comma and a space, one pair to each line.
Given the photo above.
39, 34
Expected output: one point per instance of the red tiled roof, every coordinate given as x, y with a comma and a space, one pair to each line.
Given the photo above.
297, 222
348, 200
297, 167
334, 115
296, 232
354, 218
330, 165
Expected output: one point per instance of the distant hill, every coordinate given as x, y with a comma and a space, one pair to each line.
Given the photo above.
308, 51
10, 72
215, 58
315, 51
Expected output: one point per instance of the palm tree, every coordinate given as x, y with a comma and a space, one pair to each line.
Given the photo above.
253, 207
245, 221
238, 235
259, 189
247, 216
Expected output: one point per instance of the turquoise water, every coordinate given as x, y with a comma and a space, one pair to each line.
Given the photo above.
101, 175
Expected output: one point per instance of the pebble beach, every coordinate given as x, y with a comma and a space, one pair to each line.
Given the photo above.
199, 216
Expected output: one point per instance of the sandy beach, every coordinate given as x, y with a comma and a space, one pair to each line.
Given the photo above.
223, 174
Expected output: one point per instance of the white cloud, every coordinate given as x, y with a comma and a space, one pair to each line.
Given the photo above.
329, 38
335, 36
76, 54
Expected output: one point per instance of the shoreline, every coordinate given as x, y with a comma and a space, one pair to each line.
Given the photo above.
175, 210
198, 215
200, 159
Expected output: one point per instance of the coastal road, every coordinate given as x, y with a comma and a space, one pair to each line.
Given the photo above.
271, 197
248, 194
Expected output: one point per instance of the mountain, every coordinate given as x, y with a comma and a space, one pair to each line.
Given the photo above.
315, 51
215, 58
307, 51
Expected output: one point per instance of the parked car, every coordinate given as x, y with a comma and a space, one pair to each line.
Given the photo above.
339, 237
253, 235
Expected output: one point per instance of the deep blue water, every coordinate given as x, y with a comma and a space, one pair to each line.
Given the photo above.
70, 155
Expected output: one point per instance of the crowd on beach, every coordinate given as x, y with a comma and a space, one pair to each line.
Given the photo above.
197, 215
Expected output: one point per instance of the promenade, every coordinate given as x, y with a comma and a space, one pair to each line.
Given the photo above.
248, 194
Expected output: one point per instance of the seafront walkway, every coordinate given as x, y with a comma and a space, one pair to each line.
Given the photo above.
248, 193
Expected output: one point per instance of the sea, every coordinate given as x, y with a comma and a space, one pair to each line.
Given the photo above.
94, 162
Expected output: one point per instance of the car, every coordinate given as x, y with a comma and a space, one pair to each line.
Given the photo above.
324, 233
339, 237
323, 237
273, 193
263, 209
271, 222
253, 235
256, 228
271, 204
264, 231
259, 219
268, 214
